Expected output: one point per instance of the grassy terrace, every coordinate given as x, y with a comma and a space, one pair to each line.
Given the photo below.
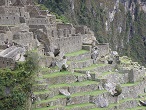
130, 84
79, 105
48, 69
56, 74
104, 74
93, 93
76, 53
125, 60
55, 98
92, 67
138, 108
113, 105
48, 108
85, 83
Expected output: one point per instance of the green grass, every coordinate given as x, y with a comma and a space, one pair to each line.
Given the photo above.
130, 84
51, 99
138, 108
48, 69
48, 108
76, 53
125, 60
79, 105
85, 83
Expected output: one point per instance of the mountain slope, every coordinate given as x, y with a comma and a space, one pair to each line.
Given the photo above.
122, 23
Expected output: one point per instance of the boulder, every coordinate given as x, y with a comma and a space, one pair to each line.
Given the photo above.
64, 92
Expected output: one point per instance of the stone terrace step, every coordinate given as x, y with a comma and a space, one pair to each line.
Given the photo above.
113, 76
55, 101
81, 63
60, 77
131, 90
125, 104
98, 68
85, 106
51, 108
77, 98
39, 87
76, 87
84, 97
78, 55
49, 70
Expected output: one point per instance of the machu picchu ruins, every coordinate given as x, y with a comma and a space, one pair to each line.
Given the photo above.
76, 71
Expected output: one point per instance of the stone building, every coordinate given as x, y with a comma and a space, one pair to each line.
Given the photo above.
26, 25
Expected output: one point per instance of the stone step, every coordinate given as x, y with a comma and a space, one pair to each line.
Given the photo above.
49, 70
39, 87
78, 55
81, 63
50, 108
55, 101
109, 76
60, 78
84, 106
77, 98
131, 90
76, 87
97, 68
84, 97
138, 108
40, 81
42, 95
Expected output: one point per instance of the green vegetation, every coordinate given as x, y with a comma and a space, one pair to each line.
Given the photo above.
16, 84
95, 13
79, 105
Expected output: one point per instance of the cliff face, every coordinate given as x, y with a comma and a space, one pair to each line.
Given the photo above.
122, 23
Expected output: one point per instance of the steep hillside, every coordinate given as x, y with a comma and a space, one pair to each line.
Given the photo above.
122, 23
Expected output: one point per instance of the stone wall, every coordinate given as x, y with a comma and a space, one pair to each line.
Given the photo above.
82, 29
2, 38
9, 19
37, 21
69, 44
2, 2
2, 10
68, 27
6, 62
136, 74
24, 39
103, 49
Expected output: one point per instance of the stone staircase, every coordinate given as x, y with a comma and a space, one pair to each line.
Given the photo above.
84, 91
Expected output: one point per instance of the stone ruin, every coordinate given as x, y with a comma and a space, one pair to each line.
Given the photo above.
24, 24
84, 72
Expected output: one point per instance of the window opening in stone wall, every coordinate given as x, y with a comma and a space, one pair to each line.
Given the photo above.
52, 33
7, 63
